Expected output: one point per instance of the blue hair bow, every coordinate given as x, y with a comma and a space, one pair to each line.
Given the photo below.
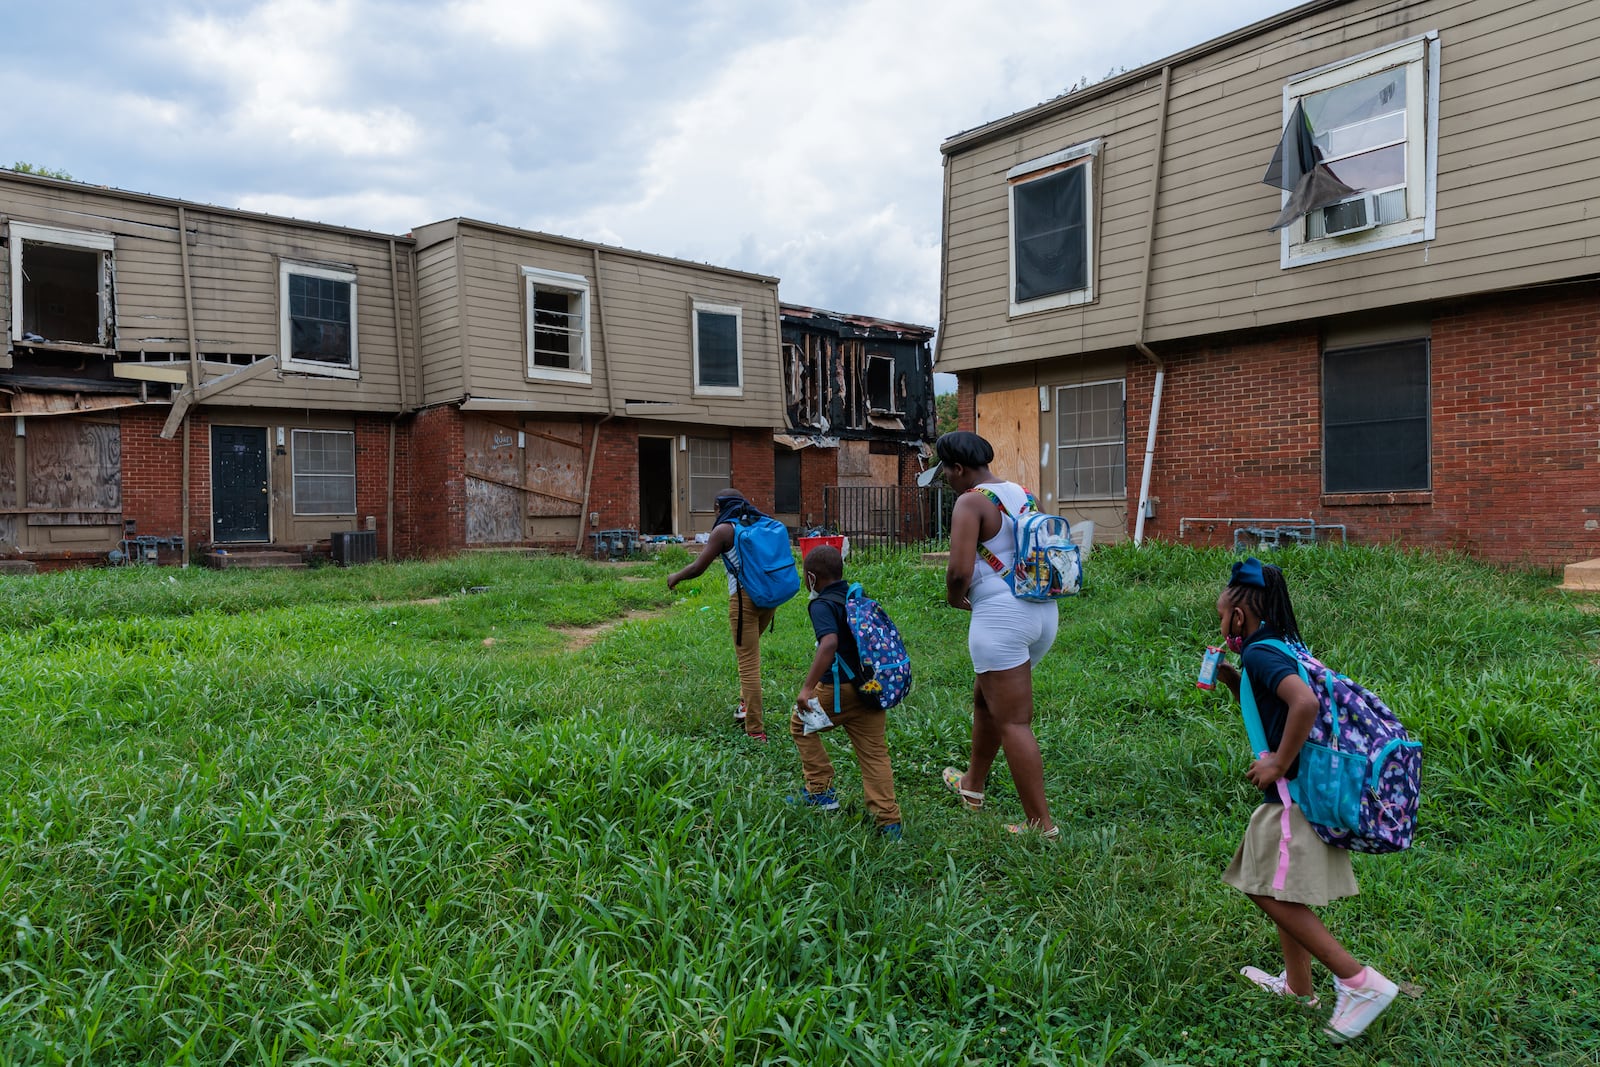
1248, 572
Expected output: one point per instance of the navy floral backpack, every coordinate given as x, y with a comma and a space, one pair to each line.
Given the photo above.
1360, 779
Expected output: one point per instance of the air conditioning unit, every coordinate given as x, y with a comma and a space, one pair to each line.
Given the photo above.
355, 546
1351, 215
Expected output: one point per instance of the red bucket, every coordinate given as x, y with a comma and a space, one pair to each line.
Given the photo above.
808, 543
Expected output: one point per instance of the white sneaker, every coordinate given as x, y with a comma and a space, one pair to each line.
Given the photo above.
1357, 1006
1278, 984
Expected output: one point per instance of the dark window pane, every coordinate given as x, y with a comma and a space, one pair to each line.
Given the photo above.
1049, 217
557, 329
719, 349
1091, 442
319, 319
786, 483
1375, 418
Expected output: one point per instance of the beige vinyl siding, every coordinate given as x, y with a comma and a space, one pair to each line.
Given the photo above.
233, 268
439, 325
1519, 113
649, 304
493, 302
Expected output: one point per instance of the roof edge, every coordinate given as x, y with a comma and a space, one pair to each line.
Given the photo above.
578, 242
980, 135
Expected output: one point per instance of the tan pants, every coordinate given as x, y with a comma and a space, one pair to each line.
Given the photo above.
865, 727
747, 648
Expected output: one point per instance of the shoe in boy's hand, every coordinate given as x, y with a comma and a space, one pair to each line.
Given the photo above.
813, 718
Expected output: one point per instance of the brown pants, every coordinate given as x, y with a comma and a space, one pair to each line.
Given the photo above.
747, 648
865, 727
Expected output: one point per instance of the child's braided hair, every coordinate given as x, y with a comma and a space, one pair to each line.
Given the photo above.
1269, 599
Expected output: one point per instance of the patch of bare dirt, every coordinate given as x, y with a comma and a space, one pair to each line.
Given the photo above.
583, 636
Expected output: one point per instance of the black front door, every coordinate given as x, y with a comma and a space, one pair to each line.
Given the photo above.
239, 497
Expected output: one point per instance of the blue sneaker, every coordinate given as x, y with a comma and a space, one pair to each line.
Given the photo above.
890, 832
823, 801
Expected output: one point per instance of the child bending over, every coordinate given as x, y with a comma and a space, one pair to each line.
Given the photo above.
863, 723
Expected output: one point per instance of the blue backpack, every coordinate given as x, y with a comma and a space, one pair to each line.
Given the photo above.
1048, 565
1360, 777
885, 666
766, 570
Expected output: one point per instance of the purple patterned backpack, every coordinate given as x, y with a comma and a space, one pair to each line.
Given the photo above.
885, 667
1360, 777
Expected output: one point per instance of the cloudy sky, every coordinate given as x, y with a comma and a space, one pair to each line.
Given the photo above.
798, 138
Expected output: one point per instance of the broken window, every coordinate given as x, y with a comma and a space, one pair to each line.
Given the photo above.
558, 324
1375, 418
1370, 126
1091, 441
324, 472
319, 320
64, 286
880, 385
1052, 229
718, 356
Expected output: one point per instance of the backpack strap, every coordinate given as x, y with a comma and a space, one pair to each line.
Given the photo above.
983, 550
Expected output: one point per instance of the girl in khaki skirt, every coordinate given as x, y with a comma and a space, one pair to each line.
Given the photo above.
1282, 865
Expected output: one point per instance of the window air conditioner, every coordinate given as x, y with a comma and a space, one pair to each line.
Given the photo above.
1351, 215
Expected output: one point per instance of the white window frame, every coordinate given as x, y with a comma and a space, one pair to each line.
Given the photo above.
295, 475
1079, 155
1055, 401
20, 232
534, 278
1420, 55
286, 347
738, 346
723, 478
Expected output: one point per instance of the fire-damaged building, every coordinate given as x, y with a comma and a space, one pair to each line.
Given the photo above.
858, 400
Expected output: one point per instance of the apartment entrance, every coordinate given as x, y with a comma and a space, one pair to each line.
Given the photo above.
658, 486
240, 496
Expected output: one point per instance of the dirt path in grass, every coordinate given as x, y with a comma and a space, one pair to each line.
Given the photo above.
584, 636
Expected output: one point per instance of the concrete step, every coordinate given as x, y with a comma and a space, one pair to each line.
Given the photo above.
232, 560
936, 559
1582, 577
18, 566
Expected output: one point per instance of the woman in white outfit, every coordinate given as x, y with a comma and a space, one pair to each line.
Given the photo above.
1007, 636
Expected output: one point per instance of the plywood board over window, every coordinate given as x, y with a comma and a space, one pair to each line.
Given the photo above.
8, 496
1009, 420
555, 463
520, 476
74, 473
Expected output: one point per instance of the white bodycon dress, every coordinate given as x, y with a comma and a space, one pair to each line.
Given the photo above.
1006, 632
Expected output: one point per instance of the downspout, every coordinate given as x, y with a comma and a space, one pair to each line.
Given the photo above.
400, 374
611, 402
194, 367
1144, 306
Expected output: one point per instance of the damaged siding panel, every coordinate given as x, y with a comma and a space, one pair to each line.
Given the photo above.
874, 381
649, 308
493, 299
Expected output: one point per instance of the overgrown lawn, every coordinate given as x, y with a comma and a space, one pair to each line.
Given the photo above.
425, 813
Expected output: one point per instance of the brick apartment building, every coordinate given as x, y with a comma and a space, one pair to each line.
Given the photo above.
1414, 358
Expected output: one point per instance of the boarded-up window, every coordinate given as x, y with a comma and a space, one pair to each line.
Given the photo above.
74, 473
710, 471
324, 472
10, 532
1091, 441
718, 367
1375, 418
786, 483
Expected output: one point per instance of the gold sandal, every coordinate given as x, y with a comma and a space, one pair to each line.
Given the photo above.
971, 799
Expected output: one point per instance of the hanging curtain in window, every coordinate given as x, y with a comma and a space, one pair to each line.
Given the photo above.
1297, 168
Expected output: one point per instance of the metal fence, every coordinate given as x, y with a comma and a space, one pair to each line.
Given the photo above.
885, 518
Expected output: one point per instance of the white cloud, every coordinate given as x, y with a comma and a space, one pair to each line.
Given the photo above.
373, 209
535, 25
283, 67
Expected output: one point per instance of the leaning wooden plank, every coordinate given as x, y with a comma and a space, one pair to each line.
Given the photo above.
148, 372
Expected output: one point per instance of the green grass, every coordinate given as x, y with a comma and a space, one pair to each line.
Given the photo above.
316, 818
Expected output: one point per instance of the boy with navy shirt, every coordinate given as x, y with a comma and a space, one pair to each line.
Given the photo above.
862, 722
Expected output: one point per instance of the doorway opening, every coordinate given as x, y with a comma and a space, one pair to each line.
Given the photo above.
657, 486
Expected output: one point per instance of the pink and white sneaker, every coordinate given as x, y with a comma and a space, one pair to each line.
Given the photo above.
1279, 985
1359, 1003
